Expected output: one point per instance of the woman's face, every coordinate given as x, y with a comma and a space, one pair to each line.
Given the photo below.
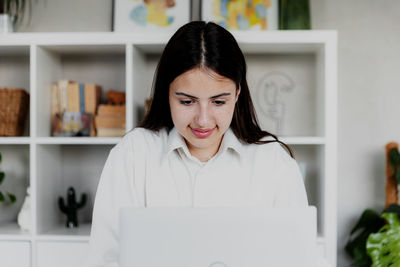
202, 104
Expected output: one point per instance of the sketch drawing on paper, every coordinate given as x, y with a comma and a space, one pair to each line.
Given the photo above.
270, 98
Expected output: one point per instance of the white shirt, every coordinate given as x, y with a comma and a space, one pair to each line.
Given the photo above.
156, 169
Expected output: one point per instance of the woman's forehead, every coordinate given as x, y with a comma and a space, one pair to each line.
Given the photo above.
201, 80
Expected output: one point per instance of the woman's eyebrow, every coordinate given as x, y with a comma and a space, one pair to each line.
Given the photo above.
194, 97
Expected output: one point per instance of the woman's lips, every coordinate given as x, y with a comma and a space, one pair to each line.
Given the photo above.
202, 133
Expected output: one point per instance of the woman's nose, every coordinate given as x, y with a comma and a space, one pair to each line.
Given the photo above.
203, 116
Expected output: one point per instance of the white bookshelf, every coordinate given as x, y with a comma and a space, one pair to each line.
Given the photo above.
126, 62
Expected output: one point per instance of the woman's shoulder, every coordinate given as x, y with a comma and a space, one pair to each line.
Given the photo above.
140, 133
271, 151
141, 138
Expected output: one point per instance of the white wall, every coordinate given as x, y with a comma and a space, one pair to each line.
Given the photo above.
369, 106
369, 90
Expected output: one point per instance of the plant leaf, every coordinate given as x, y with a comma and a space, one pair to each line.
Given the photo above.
369, 222
2, 199
361, 258
393, 208
2, 176
384, 247
12, 197
369, 218
356, 248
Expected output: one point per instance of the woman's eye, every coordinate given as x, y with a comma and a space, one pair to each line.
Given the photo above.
219, 102
186, 102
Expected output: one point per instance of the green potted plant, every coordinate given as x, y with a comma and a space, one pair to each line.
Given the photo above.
375, 239
11, 13
6, 198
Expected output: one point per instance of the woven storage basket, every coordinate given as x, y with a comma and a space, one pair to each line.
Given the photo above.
14, 106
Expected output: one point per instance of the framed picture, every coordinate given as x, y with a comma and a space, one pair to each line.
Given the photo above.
150, 15
241, 14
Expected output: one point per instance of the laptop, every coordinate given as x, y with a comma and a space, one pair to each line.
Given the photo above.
217, 237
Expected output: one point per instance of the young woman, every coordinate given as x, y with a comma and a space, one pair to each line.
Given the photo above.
199, 145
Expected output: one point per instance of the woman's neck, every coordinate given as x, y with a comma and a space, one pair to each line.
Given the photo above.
203, 154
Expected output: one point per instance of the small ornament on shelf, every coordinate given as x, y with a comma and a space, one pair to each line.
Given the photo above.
115, 98
24, 216
71, 207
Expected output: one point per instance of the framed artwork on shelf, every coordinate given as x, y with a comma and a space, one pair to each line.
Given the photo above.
150, 15
241, 14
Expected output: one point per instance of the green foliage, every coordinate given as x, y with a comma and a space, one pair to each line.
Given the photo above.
2, 176
369, 222
384, 247
8, 198
294, 15
375, 239
394, 159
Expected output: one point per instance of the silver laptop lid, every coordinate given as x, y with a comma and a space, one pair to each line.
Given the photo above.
217, 237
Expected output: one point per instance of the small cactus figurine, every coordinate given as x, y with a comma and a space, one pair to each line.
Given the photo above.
72, 207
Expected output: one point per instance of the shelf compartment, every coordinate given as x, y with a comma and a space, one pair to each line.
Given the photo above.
58, 168
15, 165
285, 93
143, 71
310, 159
100, 64
15, 71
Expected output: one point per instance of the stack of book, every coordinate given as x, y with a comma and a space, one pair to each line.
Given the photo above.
110, 120
73, 107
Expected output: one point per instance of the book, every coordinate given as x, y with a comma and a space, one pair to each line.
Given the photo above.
82, 97
92, 97
110, 132
110, 121
55, 99
73, 97
63, 84
111, 110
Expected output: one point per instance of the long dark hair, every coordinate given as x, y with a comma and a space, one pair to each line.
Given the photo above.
208, 45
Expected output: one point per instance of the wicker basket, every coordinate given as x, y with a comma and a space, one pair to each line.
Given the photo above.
14, 106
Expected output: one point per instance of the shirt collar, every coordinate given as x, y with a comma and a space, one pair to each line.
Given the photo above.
175, 141
230, 141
